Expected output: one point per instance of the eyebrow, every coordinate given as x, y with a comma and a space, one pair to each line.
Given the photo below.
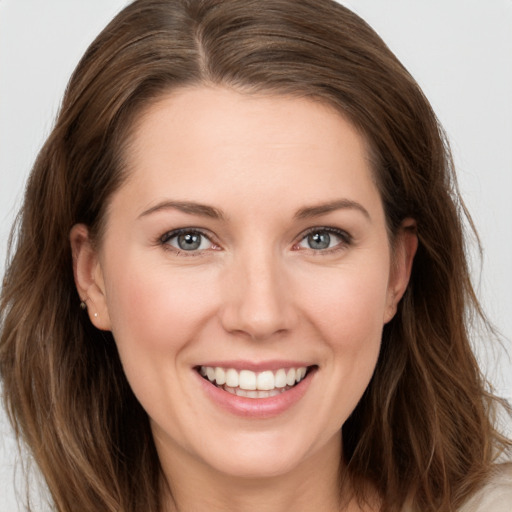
322, 209
189, 207
204, 210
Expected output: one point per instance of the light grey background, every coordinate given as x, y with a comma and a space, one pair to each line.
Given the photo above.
460, 51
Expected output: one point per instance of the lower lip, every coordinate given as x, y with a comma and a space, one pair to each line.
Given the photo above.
256, 407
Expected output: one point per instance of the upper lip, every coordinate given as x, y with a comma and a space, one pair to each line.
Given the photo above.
254, 366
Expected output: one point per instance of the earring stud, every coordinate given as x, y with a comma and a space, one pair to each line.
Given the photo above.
83, 305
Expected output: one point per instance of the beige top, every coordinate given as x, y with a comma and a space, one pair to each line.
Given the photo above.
496, 496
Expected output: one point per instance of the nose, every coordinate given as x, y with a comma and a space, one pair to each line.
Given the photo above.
258, 302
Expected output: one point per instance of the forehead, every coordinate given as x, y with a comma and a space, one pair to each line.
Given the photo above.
245, 145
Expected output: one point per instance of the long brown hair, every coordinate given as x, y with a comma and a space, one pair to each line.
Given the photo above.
424, 430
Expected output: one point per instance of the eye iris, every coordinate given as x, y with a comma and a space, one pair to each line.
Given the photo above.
320, 240
189, 241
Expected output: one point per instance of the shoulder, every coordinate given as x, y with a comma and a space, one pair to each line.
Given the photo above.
496, 495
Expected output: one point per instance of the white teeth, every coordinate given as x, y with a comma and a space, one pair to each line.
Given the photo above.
247, 380
301, 373
232, 378
210, 373
250, 384
255, 393
220, 376
280, 379
290, 377
266, 381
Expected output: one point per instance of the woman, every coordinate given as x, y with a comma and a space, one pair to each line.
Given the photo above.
183, 329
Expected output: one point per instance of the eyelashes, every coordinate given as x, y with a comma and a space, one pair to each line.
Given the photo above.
197, 242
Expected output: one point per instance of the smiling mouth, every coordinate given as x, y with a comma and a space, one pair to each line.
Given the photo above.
249, 384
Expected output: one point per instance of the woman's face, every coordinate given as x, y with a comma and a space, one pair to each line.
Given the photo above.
247, 246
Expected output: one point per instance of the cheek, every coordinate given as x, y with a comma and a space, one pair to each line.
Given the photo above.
154, 309
343, 310
348, 305
347, 310
155, 312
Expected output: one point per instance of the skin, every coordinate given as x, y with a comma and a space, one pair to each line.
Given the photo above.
255, 290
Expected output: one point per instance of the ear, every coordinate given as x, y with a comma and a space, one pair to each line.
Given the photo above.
89, 276
403, 251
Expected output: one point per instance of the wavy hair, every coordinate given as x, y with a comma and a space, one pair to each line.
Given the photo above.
424, 431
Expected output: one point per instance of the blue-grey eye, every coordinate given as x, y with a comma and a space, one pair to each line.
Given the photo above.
321, 239
187, 241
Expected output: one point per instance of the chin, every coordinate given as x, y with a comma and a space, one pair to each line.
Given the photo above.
257, 467
265, 457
